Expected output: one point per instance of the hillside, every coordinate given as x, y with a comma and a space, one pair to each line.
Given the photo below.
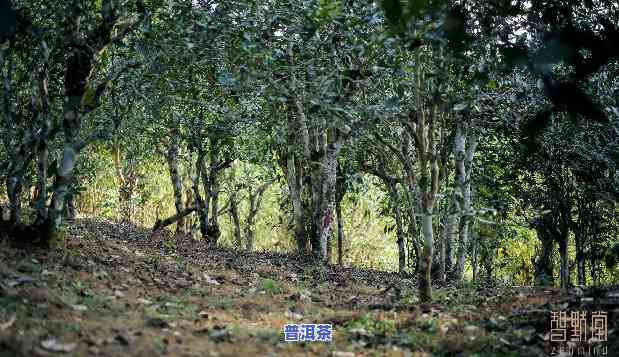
112, 290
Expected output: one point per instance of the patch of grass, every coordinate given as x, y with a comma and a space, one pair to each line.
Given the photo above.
224, 303
373, 325
180, 262
153, 260
173, 307
94, 302
169, 244
270, 286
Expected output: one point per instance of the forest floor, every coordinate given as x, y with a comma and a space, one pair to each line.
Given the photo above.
113, 290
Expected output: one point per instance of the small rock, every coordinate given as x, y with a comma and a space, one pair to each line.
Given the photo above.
79, 308
470, 329
54, 345
209, 280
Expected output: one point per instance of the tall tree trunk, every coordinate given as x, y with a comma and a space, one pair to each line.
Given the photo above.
201, 204
234, 214
327, 197
71, 124
41, 201
123, 184
175, 178
544, 268
580, 258
395, 202
464, 159
215, 232
294, 187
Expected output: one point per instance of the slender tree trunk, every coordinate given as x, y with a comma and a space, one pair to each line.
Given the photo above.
234, 214
463, 171
425, 270
297, 204
215, 232
71, 126
565, 266
175, 178
475, 261
255, 201
448, 232
201, 204
14, 187
327, 198
41, 201
395, 202
580, 258
340, 230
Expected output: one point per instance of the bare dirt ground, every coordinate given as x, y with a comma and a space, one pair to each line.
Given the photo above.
113, 290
